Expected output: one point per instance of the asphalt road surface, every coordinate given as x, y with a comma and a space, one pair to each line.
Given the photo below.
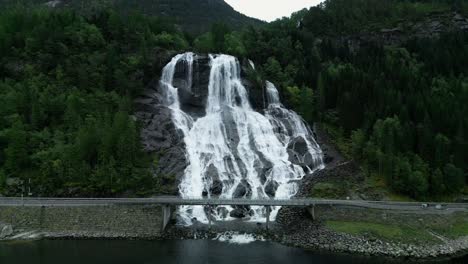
169, 200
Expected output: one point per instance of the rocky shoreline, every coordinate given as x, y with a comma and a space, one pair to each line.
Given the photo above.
300, 232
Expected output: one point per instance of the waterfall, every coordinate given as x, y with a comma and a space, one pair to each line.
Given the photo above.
252, 64
291, 126
234, 151
272, 95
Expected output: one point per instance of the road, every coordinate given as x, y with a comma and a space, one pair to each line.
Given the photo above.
169, 200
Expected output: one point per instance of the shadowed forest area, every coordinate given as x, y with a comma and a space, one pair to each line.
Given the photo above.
391, 92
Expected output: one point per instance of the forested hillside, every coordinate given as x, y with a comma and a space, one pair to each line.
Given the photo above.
388, 79
400, 110
193, 16
66, 90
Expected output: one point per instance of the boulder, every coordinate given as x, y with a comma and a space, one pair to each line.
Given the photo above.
6, 231
216, 187
271, 187
327, 159
240, 212
299, 145
243, 189
222, 211
299, 154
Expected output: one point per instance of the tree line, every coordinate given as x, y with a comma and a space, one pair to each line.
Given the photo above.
400, 111
67, 85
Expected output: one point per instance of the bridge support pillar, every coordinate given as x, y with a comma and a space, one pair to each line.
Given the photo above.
311, 210
268, 211
166, 216
209, 216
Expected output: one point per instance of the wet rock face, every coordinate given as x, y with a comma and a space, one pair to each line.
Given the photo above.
216, 187
271, 188
299, 154
243, 190
430, 27
5, 231
159, 134
240, 212
193, 95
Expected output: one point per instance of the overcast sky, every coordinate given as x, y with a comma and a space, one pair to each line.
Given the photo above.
270, 10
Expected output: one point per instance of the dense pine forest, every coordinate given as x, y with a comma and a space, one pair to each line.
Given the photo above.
191, 15
66, 100
67, 83
399, 110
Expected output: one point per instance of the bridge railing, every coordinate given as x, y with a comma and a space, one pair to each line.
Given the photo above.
173, 200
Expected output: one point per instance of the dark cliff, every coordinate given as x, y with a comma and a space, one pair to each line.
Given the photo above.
432, 26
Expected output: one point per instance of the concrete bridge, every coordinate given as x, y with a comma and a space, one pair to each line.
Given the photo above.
166, 202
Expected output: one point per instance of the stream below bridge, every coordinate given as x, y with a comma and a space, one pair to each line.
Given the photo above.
168, 252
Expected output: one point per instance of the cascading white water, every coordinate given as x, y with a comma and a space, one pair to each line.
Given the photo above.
252, 64
292, 126
232, 147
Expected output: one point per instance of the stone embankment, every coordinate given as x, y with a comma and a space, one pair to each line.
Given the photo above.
300, 231
113, 222
296, 227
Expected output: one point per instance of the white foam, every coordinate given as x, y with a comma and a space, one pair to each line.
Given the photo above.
238, 238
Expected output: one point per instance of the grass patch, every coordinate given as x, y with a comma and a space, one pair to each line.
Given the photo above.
377, 184
337, 136
455, 230
382, 231
328, 190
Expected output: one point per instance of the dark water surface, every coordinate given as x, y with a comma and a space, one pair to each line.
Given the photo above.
171, 251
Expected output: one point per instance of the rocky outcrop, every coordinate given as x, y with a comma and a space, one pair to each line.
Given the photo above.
5, 231
299, 154
429, 27
159, 134
193, 95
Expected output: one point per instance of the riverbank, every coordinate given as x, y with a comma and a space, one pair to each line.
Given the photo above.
402, 235
200, 251
397, 234
374, 233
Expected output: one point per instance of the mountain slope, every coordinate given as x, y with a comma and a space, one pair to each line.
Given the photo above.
193, 16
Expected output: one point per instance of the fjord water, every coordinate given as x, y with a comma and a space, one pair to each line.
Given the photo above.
233, 145
167, 252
